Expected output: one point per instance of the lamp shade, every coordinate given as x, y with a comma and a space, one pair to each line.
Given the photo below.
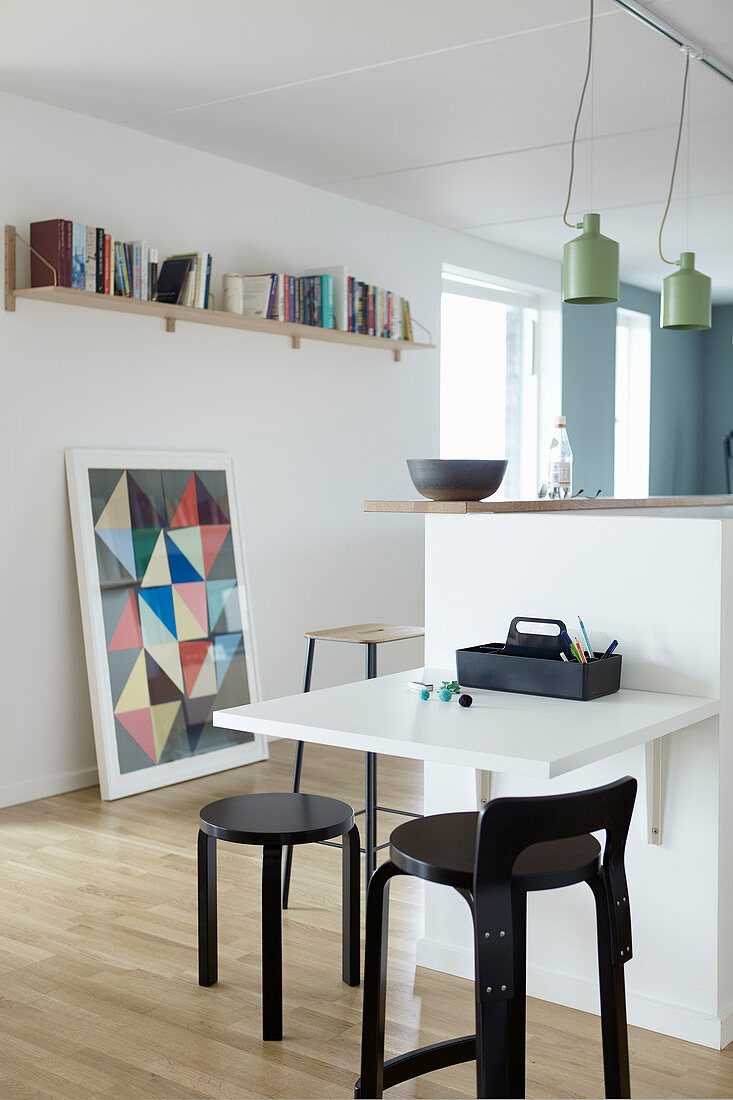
686, 297
590, 266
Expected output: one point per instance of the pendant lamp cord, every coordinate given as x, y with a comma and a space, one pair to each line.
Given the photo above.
577, 120
676, 154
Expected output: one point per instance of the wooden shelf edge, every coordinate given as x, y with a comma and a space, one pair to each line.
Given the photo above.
173, 313
503, 507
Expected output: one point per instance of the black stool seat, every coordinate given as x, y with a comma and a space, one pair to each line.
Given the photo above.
276, 818
442, 848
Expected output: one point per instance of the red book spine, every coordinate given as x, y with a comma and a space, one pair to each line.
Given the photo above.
51, 240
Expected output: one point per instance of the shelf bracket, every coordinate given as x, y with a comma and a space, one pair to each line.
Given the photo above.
170, 324
296, 342
483, 789
10, 267
653, 761
397, 356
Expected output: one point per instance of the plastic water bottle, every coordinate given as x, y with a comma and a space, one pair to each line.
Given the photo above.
560, 466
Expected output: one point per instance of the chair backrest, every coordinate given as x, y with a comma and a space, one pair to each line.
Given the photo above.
509, 825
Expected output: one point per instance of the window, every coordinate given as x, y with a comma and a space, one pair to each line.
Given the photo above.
633, 392
491, 400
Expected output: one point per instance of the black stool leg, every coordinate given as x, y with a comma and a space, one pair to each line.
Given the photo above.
613, 1001
375, 982
517, 1006
272, 948
207, 909
370, 816
309, 651
350, 907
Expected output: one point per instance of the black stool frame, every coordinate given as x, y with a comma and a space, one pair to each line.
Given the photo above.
371, 808
506, 827
272, 922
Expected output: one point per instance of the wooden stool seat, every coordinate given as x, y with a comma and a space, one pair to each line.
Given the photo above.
276, 818
364, 633
442, 848
276, 821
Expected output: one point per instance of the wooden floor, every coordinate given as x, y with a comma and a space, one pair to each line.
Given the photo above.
98, 977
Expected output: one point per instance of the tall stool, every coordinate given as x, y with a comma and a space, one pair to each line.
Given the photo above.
493, 859
274, 820
370, 635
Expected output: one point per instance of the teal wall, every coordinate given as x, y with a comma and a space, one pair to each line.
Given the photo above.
718, 397
679, 396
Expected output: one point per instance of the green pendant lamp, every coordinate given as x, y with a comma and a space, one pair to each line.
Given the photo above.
686, 297
590, 261
686, 294
590, 266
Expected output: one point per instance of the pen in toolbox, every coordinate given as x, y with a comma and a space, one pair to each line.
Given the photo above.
587, 639
611, 648
580, 650
566, 638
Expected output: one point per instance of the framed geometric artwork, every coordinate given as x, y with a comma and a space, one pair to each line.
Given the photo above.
167, 629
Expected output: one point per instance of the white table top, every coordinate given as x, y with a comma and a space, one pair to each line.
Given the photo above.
519, 734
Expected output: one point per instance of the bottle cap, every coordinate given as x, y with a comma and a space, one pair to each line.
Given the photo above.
559, 421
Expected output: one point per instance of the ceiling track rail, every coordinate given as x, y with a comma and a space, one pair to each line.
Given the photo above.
651, 19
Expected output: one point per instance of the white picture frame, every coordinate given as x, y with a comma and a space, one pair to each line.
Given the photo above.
121, 571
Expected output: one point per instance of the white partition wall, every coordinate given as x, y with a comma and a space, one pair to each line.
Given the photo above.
662, 586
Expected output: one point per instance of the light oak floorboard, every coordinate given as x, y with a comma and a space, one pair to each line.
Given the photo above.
98, 968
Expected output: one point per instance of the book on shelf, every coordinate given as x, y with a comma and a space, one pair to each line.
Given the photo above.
257, 295
51, 239
172, 278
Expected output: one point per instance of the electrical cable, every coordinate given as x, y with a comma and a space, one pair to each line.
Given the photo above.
577, 120
676, 154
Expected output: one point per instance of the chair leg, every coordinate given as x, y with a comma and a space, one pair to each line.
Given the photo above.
208, 973
492, 1061
272, 949
289, 849
375, 982
370, 816
517, 1006
613, 1001
350, 897
310, 649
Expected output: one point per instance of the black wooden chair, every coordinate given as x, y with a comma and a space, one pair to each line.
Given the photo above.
494, 858
274, 821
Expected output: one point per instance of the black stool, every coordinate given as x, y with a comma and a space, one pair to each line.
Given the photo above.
493, 859
274, 820
370, 635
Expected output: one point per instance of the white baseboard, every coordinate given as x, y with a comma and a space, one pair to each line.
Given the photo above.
667, 1018
45, 786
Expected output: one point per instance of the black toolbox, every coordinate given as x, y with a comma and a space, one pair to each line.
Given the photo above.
530, 664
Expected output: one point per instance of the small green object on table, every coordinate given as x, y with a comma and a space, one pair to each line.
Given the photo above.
450, 685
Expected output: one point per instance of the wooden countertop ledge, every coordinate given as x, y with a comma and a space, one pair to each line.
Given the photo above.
574, 504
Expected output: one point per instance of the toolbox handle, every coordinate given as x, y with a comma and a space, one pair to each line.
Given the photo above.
523, 644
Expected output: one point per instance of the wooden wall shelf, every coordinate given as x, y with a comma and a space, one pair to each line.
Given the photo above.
171, 313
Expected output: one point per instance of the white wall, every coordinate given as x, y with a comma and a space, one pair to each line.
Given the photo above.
661, 586
313, 432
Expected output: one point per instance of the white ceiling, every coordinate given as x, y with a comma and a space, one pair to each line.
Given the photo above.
458, 112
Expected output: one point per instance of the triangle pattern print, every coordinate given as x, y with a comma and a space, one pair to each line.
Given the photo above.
139, 724
119, 541
135, 694
127, 632
158, 571
187, 512
209, 510
116, 513
212, 539
193, 655
163, 715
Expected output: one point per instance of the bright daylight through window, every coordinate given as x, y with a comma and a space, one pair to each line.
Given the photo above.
489, 384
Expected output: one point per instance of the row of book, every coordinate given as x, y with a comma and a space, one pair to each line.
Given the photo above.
86, 257
327, 298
